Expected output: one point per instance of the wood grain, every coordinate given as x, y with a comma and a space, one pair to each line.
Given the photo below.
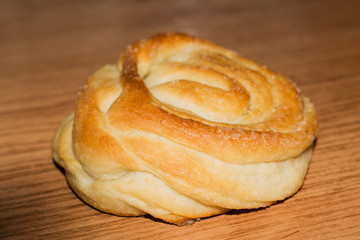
48, 48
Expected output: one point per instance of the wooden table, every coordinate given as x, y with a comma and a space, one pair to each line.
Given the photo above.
48, 48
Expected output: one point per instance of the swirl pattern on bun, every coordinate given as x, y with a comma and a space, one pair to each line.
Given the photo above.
182, 129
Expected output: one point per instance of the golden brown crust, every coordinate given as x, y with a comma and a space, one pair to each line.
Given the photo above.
184, 129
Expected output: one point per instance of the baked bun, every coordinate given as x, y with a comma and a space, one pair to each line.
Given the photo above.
182, 129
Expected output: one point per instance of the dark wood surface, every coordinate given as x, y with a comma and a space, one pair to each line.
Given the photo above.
48, 48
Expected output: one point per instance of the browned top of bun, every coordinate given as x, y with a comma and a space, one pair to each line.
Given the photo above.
251, 113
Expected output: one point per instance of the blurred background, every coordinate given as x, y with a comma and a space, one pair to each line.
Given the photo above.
78, 37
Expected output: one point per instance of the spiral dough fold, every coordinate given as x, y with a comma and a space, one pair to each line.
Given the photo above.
182, 129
